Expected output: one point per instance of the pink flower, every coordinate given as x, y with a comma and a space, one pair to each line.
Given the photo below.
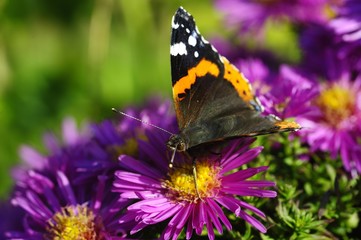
170, 195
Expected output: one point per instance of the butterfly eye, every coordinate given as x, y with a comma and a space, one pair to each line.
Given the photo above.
175, 142
181, 147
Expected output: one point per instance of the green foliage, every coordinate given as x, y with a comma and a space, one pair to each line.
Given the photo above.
316, 200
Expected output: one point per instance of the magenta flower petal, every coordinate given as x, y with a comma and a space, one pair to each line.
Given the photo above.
216, 208
238, 160
32, 157
63, 182
136, 181
254, 222
131, 163
251, 208
70, 132
243, 174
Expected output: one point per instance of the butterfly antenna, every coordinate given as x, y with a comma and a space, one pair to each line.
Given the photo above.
140, 120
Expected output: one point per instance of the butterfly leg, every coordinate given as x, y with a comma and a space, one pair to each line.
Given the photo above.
172, 158
194, 167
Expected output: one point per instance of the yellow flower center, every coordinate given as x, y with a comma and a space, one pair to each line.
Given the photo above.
73, 223
181, 185
329, 11
330, 8
336, 104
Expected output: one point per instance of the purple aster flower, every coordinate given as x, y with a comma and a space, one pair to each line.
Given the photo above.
348, 26
61, 199
334, 126
165, 194
332, 47
321, 51
56, 209
252, 14
292, 96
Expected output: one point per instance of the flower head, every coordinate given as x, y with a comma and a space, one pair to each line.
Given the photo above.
334, 126
331, 47
164, 194
60, 198
347, 25
321, 51
292, 96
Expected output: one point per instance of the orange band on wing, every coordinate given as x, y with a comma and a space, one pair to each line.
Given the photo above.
203, 68
238, 80
288, 125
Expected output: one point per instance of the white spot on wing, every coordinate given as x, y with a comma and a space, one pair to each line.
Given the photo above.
174, 25
196, 54
192, 41
214, 49
187, 30
197, 30
178, 49
204, 40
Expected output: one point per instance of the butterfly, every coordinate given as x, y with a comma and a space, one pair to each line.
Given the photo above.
213, 100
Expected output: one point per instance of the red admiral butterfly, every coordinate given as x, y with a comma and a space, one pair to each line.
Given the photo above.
213, 100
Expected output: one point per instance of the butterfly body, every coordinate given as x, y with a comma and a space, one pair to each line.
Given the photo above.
213, 100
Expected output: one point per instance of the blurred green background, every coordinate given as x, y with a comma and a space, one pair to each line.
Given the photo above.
80, 58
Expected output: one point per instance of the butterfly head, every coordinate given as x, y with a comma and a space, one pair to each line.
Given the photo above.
177, 143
